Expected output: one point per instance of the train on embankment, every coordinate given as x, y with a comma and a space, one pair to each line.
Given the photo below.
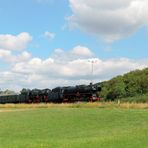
57, 95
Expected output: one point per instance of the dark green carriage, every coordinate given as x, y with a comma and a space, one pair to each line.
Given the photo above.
9, 99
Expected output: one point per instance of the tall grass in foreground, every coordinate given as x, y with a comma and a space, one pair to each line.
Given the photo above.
79, 105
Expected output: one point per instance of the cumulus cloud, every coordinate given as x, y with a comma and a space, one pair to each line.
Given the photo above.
14, 42
78, 52
49, 35
82, 51
4, 53
50, 73
8, 56
12, 47
59, 71
108, 19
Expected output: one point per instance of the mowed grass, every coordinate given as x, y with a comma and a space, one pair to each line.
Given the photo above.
63, 127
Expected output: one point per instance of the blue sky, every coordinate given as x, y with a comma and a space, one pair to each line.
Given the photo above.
78, 29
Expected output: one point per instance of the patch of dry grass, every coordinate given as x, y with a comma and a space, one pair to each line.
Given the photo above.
12, 110
134, 105
78, 105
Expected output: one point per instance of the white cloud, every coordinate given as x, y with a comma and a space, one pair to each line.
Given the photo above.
109, 19
49, 35
78, 52
82, 51
24, 56
4, 53
12, 47
12, 42
8, 56
59, 71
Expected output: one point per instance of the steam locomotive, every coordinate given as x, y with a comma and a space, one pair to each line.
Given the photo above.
56, 95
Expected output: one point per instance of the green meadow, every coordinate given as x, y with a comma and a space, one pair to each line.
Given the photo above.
73, 127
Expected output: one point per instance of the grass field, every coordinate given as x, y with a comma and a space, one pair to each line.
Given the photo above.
73, 127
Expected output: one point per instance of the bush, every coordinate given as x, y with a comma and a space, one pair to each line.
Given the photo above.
136, 99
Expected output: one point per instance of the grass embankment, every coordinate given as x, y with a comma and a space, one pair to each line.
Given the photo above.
66, 126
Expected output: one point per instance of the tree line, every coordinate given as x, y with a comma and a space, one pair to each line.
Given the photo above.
132, 84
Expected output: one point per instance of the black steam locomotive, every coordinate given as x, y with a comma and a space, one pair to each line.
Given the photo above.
56, 95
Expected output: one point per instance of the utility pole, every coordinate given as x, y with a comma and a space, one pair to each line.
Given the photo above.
92, 68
